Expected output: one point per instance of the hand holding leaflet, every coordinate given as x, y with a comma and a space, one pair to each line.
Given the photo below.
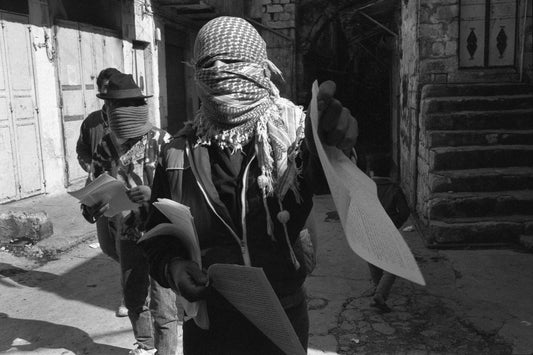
182, 227
246, 288
105, 189
368, 229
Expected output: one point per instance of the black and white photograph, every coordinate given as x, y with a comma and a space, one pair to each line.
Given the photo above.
266, 177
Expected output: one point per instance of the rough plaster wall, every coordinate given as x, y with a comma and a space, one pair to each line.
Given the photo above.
47, 94
409, 79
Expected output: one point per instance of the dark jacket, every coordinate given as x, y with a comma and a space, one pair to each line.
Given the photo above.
392, 199
217, 229
92, 130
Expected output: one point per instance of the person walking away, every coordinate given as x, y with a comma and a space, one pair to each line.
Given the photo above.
92, 129
393, 201
247, 169
130, 153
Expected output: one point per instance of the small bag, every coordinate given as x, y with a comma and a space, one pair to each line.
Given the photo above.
304, 247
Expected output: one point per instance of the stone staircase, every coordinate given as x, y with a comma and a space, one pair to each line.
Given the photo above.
475, 166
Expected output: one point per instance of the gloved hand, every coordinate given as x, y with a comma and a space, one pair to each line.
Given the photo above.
139, 194
336, 126
188, 279
92, 213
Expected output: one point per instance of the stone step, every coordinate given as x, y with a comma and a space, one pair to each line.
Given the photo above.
480, 204
436, 90
488, 179
473, 157
476, 103
471, 120
482, 137
472, 230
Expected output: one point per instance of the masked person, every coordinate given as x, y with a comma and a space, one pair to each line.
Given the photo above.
246, 167
92, 130
129, 153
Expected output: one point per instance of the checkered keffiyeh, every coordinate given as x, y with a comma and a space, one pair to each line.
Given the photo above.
240, 102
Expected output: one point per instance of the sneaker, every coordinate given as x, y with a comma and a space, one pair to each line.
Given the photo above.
140, 351
122, 311
379, 303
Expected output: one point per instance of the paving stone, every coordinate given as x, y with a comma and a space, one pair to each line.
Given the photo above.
352, 314
428, 333
346, 325
383, 328
403, 315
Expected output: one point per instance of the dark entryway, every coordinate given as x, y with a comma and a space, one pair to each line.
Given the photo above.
175, 57
354, 45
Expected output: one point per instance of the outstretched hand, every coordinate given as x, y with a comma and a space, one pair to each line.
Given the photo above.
336, 126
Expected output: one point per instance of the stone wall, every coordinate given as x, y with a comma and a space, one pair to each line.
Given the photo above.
277, 18
409, 82
439, 41
279, 14
439, 36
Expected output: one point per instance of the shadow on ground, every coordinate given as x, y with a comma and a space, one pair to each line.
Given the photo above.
95, 281
25, 335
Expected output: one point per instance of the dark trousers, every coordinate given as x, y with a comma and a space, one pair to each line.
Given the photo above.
230, 333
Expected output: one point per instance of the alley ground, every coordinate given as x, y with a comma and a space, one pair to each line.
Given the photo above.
475, 301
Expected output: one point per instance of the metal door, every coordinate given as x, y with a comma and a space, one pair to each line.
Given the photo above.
83, 50
487, 33
20, 147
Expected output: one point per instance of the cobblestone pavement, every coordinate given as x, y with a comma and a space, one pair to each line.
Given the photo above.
420, 323
454, 313
475, 302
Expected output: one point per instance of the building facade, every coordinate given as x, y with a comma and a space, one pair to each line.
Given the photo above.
465, 138
51, 52
443, 87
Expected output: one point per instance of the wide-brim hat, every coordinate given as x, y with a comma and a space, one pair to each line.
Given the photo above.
120, 87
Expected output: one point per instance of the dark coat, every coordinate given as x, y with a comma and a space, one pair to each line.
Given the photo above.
214, 223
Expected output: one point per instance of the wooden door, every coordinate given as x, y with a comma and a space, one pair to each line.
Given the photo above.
72, 94
20, 147
83, 51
